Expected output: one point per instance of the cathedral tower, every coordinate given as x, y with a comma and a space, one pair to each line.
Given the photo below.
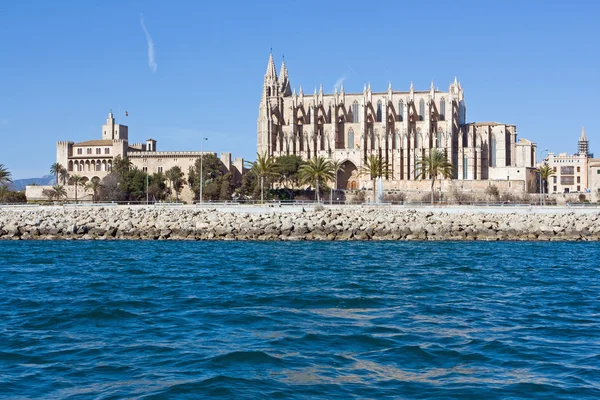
584, 145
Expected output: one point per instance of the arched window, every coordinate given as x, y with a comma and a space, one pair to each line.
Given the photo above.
350, 138
400, 110
440, 139
379, 111
98, 165
442, 109
355, 112
493, 151
308, 116
421, 110
70, 166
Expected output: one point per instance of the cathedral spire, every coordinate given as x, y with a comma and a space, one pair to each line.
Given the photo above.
271, 72
583, 137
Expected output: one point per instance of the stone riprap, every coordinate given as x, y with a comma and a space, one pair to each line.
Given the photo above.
147, 223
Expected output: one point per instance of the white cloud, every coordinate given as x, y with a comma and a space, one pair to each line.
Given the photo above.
151, 59
338, 84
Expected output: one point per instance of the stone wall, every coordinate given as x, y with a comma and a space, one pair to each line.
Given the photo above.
154, 223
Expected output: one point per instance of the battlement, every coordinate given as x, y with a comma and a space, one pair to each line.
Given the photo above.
159, 154
138, 146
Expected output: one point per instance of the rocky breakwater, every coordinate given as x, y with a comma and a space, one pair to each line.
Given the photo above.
339, 224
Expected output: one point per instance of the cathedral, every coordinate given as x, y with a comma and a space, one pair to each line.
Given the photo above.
398, 126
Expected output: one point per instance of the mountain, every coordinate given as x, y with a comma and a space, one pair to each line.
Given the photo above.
19, 184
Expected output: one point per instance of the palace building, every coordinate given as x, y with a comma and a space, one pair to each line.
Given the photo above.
398, 126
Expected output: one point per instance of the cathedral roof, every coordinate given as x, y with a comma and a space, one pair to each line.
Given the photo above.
95, 143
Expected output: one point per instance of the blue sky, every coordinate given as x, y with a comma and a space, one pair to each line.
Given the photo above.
64, 64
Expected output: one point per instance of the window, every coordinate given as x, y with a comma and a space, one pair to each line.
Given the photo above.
107, 150
145, 169
88, 151
421, 110
598, 172
567, 180
554, 169
567, 170
308, 116
554, 187
79, 151
553, 179
578, 180
578, 188
355, 112
379, 111
439, 139
442, 109
465, 167
350, 139
98, 150
400, 110
578, 169
160, 169
493, 152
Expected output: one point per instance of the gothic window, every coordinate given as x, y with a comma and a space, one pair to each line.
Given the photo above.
355, 112
379, 111
417, 139
107, 150
79, 151
350, 138
308, 116
493, 152
421, 110
98, 150
465, 167
440, 139
442, 109
400, 110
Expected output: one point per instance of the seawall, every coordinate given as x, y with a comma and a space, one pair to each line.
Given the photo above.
190, 223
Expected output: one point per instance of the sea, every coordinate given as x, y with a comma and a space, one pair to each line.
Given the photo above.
299, 320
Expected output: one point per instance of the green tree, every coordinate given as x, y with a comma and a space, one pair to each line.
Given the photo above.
4, 192
264, 167
315, 171
64, 176
175, 177
545, 172
375, 167
59, 191
4, 176
212, 174
55, 170
121, 165
433, 165
157, 188
94, 185
77, 180
287, 168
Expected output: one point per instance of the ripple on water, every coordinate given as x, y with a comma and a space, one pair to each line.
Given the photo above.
299, 320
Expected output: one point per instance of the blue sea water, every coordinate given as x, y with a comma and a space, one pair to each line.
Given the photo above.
307, 320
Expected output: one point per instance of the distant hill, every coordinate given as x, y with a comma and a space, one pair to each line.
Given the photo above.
19, 184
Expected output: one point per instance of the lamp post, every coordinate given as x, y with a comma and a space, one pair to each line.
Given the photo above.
201, 157
541, 187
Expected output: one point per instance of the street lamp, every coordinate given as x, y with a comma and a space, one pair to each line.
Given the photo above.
541, 187
201, 157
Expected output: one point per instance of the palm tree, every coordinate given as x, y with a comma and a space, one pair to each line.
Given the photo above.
545, 172
263, 167
64, 176
434, 164
4, 175
175, 177
59, 191
55, 170
316, 170
337, 167
3, 193
375, 167
94, 185
77, 180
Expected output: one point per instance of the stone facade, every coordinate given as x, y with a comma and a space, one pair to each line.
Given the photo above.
94, 158
570, 171
399, 126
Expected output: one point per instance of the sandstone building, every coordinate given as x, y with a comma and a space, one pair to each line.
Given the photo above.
399, 126
571, 171
94, 158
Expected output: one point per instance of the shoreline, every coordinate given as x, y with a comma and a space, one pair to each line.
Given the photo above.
298, 223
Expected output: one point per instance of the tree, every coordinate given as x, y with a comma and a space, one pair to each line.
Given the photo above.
4, 176
287, 168
213, 172
545, 172
375, 167
77, 180
121, 165
433, 165
263, 167
55, 170
59, 191
94, 185
315, 171
493, 192
64, 176
3, 193
157, 188
175, 177
337, 167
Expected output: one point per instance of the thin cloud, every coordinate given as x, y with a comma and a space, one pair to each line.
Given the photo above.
338, 84
151, 59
